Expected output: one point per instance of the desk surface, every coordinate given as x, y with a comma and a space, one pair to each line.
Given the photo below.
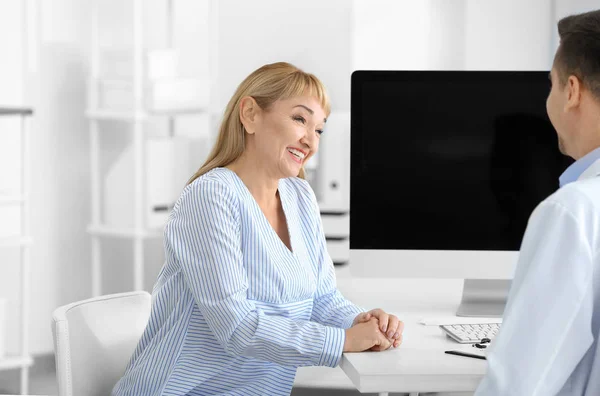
420, 364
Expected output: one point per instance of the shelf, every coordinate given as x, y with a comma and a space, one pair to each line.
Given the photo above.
14, 362
334, 209
9, 111
11, 199
108, 231
15, 241
113, 115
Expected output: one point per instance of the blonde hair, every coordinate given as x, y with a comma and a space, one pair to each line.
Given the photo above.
269, 83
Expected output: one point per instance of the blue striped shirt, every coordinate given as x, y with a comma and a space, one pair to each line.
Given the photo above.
234, 311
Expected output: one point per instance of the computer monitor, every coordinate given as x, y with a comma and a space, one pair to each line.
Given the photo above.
445, 170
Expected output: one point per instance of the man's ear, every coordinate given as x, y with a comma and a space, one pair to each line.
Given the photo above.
573, 92
249, 111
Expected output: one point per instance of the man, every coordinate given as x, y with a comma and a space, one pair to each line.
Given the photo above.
548, 343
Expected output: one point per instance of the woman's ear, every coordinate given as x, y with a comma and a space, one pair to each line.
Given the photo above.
249, 110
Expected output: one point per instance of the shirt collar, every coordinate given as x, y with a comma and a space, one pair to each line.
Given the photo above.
575, 170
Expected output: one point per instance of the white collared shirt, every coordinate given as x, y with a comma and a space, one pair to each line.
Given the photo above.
548, 342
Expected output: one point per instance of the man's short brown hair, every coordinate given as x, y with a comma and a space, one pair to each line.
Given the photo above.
579, 51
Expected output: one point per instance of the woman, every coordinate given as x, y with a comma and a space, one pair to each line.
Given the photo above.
248, 292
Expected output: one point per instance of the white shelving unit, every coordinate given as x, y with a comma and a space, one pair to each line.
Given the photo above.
333, 186
23, 241
135, 117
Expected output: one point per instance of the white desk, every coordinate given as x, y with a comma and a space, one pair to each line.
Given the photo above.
420, 364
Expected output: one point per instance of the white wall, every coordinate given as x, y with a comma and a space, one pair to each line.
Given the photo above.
508, 35
447, 43
391, 34
454, 35
11, 56
563, 8
458, 34
312, 34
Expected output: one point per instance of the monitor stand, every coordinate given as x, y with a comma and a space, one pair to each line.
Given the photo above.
484, 298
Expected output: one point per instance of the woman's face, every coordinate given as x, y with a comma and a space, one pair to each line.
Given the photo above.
287, 134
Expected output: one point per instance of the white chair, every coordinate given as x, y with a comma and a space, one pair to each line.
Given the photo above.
94, 340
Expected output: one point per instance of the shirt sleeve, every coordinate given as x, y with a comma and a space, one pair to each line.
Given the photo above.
330, 306
204, 234
546, 329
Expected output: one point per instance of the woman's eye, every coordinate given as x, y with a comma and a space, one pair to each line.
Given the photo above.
320, 131
300, 119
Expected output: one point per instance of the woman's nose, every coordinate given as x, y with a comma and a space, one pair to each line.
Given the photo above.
309, 139
306, 142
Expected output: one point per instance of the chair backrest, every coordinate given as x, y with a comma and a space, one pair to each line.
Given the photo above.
94, 340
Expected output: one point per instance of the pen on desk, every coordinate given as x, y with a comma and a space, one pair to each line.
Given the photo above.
459, 353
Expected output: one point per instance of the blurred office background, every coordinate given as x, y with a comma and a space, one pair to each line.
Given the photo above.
46, 63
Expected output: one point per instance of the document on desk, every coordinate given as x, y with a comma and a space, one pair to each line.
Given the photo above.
450, 320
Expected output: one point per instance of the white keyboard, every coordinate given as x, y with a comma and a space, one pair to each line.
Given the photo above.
471, 333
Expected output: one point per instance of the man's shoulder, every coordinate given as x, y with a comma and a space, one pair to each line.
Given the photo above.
579, 195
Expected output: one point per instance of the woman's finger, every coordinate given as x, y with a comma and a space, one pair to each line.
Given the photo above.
394, 329
398, 341
383, 319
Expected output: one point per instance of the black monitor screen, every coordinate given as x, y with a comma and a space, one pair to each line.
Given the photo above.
449, 160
